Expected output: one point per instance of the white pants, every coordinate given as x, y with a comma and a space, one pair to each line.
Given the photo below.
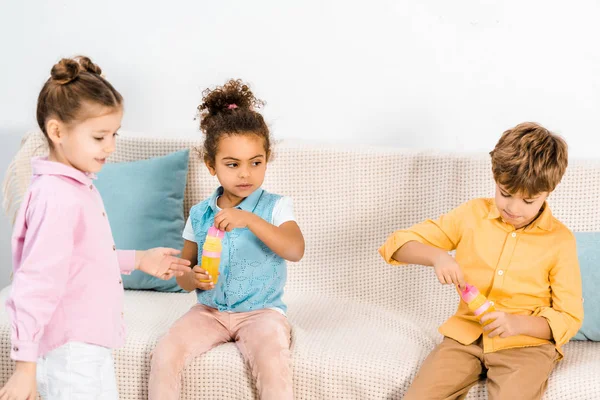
77, 371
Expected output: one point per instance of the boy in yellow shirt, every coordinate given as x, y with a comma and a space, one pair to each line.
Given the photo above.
518, 255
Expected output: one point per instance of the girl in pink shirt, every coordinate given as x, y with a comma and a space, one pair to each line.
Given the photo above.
66, 302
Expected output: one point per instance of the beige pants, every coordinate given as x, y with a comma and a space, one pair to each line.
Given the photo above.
263, 338
453, 368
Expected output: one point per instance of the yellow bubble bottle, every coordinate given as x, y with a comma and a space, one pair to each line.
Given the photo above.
211, 253
477, 303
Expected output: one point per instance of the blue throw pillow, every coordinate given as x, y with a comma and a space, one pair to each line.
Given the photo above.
144, 203
588, 252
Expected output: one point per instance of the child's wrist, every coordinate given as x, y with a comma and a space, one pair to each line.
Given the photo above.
187, 281
139, 254
252, 218
439, 257
25, 366
522, 324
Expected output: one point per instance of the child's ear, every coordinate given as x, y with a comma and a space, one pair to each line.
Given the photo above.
210, 167
54, 129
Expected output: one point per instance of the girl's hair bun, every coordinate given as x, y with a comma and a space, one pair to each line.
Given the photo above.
68, 69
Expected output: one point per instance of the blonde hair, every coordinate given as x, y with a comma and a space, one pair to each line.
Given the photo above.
529, 159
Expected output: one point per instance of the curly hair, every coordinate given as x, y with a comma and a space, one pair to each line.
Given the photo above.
230, 110
529, 159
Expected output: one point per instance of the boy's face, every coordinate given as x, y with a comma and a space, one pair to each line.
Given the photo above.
517, 210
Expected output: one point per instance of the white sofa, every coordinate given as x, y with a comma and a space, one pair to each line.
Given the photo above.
361, 328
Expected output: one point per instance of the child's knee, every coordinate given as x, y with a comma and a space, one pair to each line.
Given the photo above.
274, 356
275, 327
168, 353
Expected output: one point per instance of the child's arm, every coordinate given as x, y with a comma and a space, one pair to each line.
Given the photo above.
445, 266
565, 315
159, 262
442, 234
428, 243
535, 326
190, 252
40, 280
505, 325
285, 240
414, 252
39, 283
558, 322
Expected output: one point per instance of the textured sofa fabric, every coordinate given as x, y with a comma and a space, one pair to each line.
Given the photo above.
361, 328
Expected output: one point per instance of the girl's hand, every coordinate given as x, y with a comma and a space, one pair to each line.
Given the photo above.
21, 385
232, 218
201, 279
161, 263
505, 324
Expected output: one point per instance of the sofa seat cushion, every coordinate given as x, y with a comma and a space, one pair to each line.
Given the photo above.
340, 349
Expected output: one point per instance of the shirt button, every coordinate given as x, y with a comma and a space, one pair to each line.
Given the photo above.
91, 187
15, 348
500, 272
104, 214
114, 247
514, 234
120, 281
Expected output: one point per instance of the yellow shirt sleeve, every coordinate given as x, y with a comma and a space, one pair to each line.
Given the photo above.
566, 314
443, 233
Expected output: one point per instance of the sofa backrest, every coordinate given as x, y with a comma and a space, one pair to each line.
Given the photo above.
347, 200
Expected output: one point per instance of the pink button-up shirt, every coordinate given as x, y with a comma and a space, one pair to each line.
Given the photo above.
67, 272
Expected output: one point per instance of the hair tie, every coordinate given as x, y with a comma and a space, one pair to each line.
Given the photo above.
232, 106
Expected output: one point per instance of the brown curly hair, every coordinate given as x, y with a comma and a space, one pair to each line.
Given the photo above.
230, 110
529, 159
72, 82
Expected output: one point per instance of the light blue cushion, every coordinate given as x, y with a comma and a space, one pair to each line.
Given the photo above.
144, 203
588, 252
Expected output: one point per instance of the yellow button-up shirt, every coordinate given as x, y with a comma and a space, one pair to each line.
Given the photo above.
529, 271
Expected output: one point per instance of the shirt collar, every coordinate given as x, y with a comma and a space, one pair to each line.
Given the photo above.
248, 204
42, 166
543, 221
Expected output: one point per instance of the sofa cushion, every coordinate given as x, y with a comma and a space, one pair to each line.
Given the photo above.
144, 204
588, 252
340, 349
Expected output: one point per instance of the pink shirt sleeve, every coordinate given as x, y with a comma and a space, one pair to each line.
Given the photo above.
40, 281
126, 261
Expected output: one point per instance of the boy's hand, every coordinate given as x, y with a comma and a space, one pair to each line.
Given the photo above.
503, 325
21, 385
201, 279
161, 263
231, 218
448, 271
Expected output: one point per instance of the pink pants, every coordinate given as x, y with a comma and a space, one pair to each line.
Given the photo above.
262, 336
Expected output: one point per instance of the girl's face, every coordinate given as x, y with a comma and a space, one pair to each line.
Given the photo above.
85, 145
240, 164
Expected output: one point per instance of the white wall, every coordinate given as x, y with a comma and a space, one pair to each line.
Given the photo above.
422, 73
